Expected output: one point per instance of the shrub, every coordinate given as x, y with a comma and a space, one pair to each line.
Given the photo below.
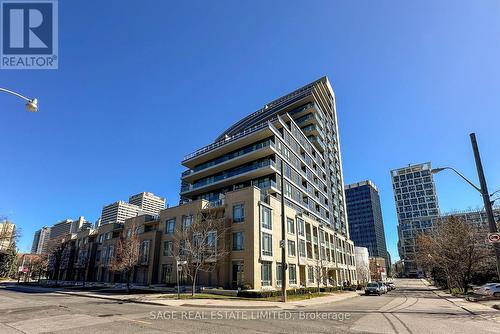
276, 293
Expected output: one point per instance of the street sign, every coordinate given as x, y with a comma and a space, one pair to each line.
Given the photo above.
282, 243
493, 237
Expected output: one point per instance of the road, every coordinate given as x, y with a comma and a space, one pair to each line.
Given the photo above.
411, 308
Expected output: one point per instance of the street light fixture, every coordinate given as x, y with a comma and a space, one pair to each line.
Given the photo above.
483, 190
31, 104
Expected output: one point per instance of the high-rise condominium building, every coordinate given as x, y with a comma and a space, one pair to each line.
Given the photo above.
41, 240
148, 202
299, 129
67, 226
117, 212
417, 208
364, 215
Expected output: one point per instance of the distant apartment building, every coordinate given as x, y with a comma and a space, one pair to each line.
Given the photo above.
41, 240
117, 212
364, 215
477, 218
7, 235
148, 202
417, 208
68, 226
378, 267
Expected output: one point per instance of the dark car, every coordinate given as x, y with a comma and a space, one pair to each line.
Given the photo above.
373, 289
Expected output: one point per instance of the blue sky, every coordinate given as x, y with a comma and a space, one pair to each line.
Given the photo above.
142, 83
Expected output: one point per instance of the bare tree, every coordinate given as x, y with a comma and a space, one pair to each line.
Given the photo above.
454, 251
201, 242
55, 250
82, 261
126, 254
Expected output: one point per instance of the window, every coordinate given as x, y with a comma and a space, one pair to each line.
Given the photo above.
267, 244
310, 274
300, 227
186, 222
238, 241
292, 274
182, 246
265, 273
266, 218
302, 248
278, 274
166, 273
291, 248
168, 248
170, 226
290, 225
111, 253
238, 213
144, 252
212, 240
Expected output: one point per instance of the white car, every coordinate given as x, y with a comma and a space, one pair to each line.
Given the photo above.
481, 290
383, 287
493, 290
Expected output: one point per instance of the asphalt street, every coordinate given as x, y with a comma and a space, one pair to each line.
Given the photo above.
411, 308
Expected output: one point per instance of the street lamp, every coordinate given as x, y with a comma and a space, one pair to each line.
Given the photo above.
483, 190
31, 104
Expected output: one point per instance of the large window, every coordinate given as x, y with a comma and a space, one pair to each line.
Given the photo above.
300, 227
265, 273
170, 226
238, 213
310, 274
290, 225
267, 244
266, 218
168, 248
144, 252
278, 274
302, 248
186, 222
212, 241
292, 274
291, 248
238, 241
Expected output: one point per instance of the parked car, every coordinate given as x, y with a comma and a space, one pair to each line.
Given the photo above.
481, 290
493, 290
373, 288
383, 287
391, 286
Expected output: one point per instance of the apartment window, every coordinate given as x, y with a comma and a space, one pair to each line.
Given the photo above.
166, 273
266, 218
186, 222
182, 248
238, 213
144, 252
111, 253
170, 226
300, 227
238, 241
291, 248
292, 274
168, 248
212, 241
290, 225
267, 244
278, 274
265, 273
310, 274
302, 248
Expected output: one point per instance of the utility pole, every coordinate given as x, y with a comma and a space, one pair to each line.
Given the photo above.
283, 235
486, 198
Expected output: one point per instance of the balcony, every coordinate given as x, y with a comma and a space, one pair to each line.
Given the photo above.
309, 119
228, 144
224, 179
252, 153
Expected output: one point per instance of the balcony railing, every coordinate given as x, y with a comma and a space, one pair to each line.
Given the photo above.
226, 175
229, 139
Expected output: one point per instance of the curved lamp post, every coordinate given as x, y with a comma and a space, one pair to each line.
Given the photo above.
31, 104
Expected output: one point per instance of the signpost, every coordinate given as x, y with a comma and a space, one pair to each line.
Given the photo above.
178, 269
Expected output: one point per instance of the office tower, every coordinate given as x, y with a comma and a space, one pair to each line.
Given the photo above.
301, 130
41, 240
117, 212
364, 215
417, 208
148, 202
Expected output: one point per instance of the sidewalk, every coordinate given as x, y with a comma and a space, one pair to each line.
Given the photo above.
155, 299
483, 310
